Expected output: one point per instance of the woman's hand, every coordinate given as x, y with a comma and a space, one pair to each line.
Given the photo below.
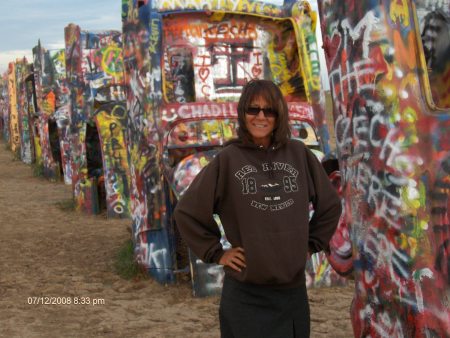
234, 258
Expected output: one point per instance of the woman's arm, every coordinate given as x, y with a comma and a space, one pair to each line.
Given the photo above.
327, 206
194, 215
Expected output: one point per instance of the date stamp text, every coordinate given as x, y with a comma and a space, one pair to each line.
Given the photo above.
68, 300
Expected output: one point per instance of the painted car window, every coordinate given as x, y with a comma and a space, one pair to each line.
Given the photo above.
202, 133
179, 75
187, 138
210, 60
434, 26
304, 132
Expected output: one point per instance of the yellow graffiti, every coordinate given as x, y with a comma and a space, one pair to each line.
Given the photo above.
409, 115
310, 68
133, 13
59, 61
112, 63
14, 117
227, 131
203, 161
400, 11
244, 6
154, 37
251, 7
139, 161
307, 45
58, 58
412, 246
414, 204
409, 244
37, 151
111, 131
61, 57
410, 200
212, 130
280, 70
217, 16
321, 268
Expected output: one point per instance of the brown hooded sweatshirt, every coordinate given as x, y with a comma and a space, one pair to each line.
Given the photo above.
262, 197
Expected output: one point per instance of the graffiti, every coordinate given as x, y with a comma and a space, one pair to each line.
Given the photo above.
21, 73
99, 161
181, 75
103, 71
187, 111
399, 12
226, 54
13, 118
79, 171
184, 81
259, 7
211, 275
156, 258
62, 111
203, 63
136, 115
154, 78
152, 253
231, 30
340, 255
66, 158
301, 111
154, 35
5, 107
312, 60
112, 62
221, 31
136, 62
392, 173
236, 66
310, 65
111, 120
320, 273
52, 112
30, 97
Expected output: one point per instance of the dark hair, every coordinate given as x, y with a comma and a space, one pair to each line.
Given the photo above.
275, 99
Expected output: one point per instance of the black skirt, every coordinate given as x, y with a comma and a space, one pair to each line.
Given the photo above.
248, 310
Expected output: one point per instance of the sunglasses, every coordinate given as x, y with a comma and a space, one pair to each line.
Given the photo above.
268, 112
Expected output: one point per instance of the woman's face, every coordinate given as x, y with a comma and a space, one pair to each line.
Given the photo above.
261, 125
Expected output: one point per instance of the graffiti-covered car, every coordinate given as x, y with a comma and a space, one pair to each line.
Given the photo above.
98, 121
389, 71
188, 148
51, 120
186, 65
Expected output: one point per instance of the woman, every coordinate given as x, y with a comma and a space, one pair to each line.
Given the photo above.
261, 185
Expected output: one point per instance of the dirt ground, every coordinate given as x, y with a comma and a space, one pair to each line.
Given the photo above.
48, 252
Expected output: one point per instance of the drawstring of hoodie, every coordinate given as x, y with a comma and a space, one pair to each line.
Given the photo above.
269, 153
269, 157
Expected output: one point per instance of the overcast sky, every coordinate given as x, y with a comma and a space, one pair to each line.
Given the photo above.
24, 22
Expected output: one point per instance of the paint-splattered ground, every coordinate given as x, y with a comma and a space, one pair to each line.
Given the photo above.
47, 252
